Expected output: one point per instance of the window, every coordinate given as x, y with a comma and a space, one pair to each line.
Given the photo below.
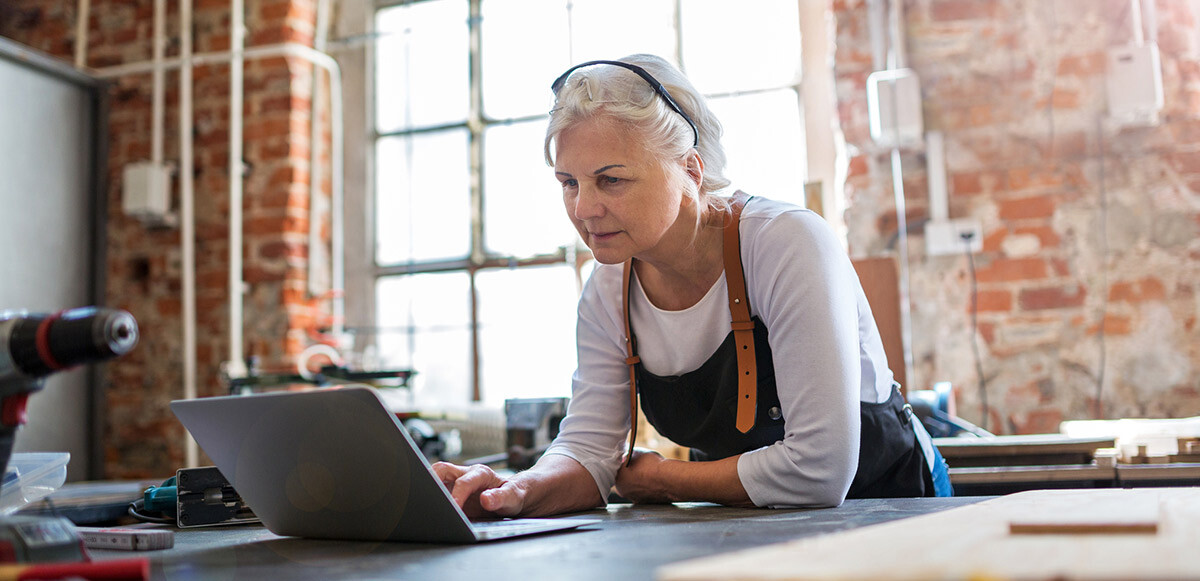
477, 269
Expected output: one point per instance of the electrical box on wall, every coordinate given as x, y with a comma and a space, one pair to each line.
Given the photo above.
894, 108
1135, 92
953, 237
146, 194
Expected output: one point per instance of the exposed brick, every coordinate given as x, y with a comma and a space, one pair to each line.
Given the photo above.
1089, 64
1059, 297
994, 301
858, 165
1187, 162
1012, 269
1046, 235
1026, 208
992, 241
1150, 288
946, 10
1024, 178
1039, 421
963, 183
1113, 325
169, 307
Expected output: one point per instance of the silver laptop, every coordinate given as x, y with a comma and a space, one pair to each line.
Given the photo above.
336, 464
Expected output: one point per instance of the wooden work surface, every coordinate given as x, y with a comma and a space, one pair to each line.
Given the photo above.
975, 542
629, 544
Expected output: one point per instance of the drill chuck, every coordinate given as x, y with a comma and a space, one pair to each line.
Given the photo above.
36, 345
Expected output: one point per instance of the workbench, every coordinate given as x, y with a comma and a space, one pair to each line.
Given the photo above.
629, 544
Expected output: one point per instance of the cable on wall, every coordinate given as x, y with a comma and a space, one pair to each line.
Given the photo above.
984, 410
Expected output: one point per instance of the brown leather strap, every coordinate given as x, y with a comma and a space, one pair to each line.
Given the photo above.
631, 358
742, 325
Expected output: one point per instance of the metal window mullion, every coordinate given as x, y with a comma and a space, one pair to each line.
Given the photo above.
475, 125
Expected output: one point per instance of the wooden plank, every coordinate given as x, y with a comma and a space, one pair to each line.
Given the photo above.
1027, 444
1074, 528
1181, 473
1041, 474
974, 542
879, 278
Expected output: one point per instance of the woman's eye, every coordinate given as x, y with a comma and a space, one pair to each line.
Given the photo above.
569, 183
610, 180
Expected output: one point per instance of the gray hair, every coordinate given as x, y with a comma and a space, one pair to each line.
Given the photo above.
611, 91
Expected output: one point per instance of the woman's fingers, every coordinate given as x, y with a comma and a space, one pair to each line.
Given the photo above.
506, 500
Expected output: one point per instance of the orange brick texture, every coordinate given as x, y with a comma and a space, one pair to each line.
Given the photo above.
1090, 269
142, 437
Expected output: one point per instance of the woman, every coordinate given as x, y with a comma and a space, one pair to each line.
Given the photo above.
791, 404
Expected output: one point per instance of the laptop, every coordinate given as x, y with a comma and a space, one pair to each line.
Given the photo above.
336, 464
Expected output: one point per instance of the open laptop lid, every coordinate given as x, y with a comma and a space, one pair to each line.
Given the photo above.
328, 463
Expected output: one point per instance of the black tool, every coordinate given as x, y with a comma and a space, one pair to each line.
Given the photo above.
33, 346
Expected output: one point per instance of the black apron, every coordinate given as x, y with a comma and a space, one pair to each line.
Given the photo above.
698, 410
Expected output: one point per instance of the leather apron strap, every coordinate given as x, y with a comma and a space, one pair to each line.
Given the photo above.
741, 324
631, 358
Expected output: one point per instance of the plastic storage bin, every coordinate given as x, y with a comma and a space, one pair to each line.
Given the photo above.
31, 476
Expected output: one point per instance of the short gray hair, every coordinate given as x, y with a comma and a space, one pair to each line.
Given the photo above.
611, 91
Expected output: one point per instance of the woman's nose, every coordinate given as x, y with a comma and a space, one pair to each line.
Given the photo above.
587, 204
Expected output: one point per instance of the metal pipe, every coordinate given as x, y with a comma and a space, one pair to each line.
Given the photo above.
315, 148
331, 67
187, 210
897, 57
158, 95
81, 33
902, 250
1135, 21
935, 169
237, 356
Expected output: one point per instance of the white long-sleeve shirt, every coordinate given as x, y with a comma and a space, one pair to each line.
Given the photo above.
827, 353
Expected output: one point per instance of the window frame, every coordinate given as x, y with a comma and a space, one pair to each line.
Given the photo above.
366, 271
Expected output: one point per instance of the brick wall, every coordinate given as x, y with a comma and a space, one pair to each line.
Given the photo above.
1091, 258
142, 437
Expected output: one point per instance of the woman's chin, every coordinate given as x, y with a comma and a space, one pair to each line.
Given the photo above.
608, 256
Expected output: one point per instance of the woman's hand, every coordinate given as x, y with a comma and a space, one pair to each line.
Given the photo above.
641, 480
480, 492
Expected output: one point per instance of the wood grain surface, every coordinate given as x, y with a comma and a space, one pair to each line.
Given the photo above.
975, 542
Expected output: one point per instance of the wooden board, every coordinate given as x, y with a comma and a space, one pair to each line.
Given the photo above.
975, 542
1017, 445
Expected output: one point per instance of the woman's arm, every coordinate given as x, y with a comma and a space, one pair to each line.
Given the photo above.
803, 286
650, 478
556, 484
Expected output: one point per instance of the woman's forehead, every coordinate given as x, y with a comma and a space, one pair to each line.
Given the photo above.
601, 135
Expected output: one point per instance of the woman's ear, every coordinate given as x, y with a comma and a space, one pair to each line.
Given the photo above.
695, 168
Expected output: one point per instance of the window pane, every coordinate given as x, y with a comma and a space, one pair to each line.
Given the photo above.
736, 46
426, 327
518, 66
522, 206
423, 207
527, 332
773, 166
611, 29
421, 66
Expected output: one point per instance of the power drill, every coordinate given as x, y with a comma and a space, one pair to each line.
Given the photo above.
33, 346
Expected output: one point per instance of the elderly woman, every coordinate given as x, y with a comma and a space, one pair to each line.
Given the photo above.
738, 322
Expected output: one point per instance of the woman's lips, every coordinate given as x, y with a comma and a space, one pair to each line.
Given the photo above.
603, 236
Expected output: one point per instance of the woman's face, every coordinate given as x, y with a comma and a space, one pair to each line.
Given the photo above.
619, 196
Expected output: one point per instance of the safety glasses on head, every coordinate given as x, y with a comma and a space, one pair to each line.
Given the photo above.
639, 71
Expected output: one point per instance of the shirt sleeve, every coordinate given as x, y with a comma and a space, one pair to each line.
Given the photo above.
803, 287
597, 422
